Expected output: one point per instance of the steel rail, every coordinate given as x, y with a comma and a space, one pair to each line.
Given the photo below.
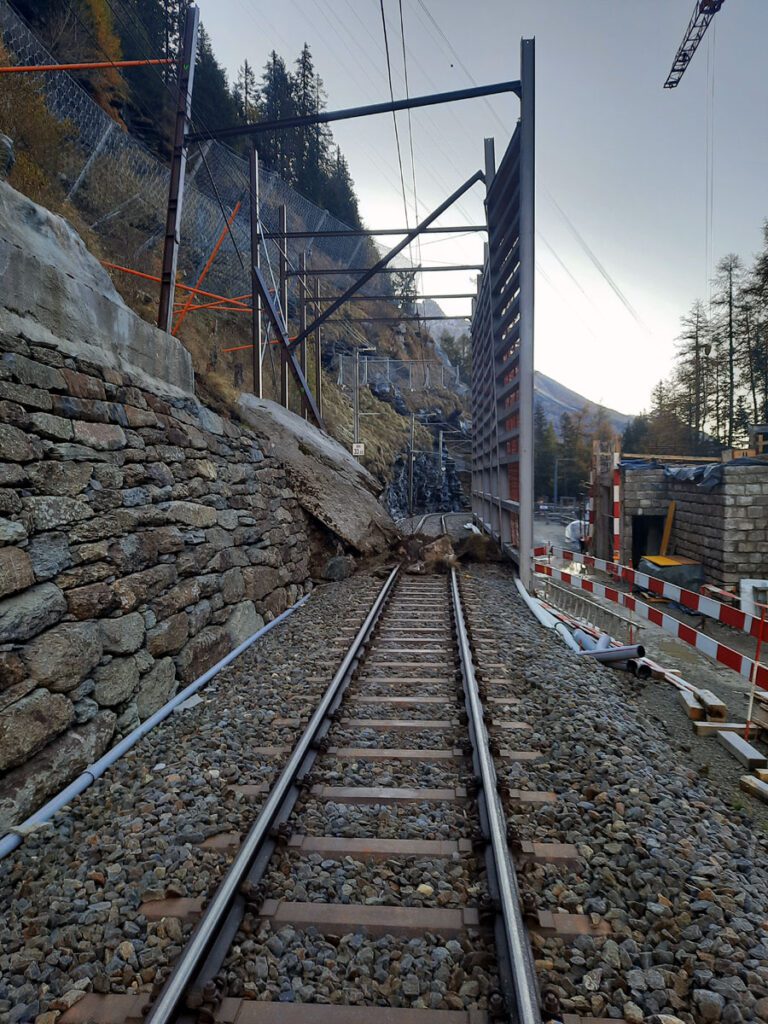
170, 1000
522, 969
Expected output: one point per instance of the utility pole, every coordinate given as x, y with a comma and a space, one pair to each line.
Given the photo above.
283, 286
303, 315
318, 352
410, 464
356, 399
178, 169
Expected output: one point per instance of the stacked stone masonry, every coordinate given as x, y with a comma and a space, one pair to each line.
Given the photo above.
726, 529
141, 539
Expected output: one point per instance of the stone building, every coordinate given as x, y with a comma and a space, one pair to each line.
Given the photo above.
720, 517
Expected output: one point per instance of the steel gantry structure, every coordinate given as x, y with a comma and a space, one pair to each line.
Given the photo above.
502, 341
502, 321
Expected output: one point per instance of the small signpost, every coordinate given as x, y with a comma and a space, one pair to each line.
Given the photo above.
358, 449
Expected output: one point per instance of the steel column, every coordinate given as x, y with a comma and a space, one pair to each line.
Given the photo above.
318, 356
178, 168
282, 265
527, 288
256, 337
303, 300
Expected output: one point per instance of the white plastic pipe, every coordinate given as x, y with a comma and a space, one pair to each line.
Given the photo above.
13, 839
544, 617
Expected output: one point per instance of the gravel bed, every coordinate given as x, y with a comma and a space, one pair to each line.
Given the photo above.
681, 877
412, 711
444, 820
303, 966
440, 686
392, 883
429, 774
418, 739
70, 895
408, 670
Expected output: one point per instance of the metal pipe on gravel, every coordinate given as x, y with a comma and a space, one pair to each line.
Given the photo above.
631, 651
204, 935
524, 973
94, 771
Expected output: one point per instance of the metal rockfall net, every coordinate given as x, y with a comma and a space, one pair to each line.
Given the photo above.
120, 188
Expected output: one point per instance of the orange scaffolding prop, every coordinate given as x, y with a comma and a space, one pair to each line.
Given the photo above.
242, 348
234, 305
182, 287
208, 264
86, 65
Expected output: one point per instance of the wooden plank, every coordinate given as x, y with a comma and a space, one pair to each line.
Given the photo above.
666, 536
690, 704
755, 787
710, 728
714, 707
742, 751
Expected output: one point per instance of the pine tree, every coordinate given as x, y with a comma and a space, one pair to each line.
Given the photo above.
690, 372
727, 283
212, 103
309, 146
339, 194
245, 94
404, 290
277, 103
544, 453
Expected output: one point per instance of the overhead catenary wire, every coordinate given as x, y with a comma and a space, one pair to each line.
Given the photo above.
394, 115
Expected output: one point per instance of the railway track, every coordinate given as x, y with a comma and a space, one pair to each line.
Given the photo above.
376, 889
400, 731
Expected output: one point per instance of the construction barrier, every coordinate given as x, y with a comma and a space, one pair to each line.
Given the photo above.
727, 615
707, 645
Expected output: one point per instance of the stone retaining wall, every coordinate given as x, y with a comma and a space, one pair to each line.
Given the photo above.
141, 539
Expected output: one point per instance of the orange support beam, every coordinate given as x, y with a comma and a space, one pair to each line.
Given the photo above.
153, 277
92, 65
209, 263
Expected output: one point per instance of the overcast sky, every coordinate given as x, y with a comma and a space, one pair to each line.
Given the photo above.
623, 159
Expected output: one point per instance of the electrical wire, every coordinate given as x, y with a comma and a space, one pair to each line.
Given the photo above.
394, 117
410, 136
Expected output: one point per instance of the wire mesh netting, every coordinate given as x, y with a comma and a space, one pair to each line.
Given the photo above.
120, 188
405, 374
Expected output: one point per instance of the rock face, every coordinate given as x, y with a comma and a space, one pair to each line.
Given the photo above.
433, 491
60, 292
30, 723
328, 482
142, 535
24, 789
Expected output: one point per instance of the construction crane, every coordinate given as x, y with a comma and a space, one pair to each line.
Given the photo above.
703, 13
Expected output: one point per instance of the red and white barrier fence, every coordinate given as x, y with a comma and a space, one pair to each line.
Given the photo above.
707, 645
729, 616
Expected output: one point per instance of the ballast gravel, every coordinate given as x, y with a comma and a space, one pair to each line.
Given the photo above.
456, 882
680, 877
302, 966
70, 896
386, 821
